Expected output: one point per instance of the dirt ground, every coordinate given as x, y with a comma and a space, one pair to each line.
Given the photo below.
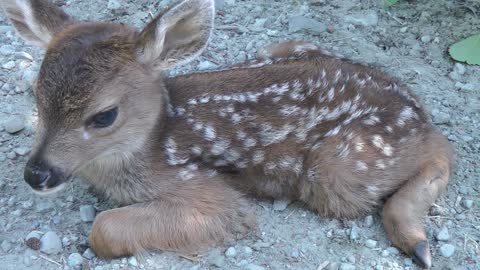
409, 40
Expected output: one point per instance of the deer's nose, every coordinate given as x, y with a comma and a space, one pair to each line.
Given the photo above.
39, 176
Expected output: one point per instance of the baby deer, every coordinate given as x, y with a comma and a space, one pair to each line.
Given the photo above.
181, 153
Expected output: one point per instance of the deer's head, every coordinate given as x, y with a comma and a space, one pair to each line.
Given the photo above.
99, 90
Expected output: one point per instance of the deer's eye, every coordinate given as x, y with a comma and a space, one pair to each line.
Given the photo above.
104, 119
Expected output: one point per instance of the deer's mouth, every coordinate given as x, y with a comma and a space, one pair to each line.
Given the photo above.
44, 179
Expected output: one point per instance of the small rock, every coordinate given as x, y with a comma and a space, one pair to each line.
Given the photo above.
385, 253
7, 50
403, 29
14, 125
330, 28
300, 23
440, 117
133, 261
216, 259
442, 234
44, 207
371, 243
6, 246
87, 213
206, 65
354, 232
426, 39
459, 68
113, 4
408, 262
252, 266
88, 254
369, 18
393, 251
11, 155
467, 203
50, 243
75, 261
219, 4
27, 204
9, 65
447, 250
17, 212
333, 266
347, 266
368, 221
21, 151
295, 254
465, 86
280, 204
248, 250
231, 252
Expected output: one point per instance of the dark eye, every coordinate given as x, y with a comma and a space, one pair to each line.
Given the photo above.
105, 119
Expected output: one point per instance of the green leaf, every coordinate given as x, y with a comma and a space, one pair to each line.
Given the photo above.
389, 3
467, 50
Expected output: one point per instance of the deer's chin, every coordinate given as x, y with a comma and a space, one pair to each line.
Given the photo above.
45, 191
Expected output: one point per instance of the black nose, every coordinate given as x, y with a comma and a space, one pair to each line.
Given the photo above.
39, 175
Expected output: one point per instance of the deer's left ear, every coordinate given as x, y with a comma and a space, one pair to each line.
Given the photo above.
37, 21
178, 35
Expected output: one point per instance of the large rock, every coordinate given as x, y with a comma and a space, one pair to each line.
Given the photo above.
50, 243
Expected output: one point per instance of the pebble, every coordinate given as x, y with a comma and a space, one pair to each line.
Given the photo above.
248, 250
7, 50
231, 252
300, 23
347, 266
44, 207
14, 125
133, 261
21, 151
426, 39
216, 259
369, 18
403, 29
467, 203
440, 117
206, 65
465, 86
87, 213
33, 234
393, 251
280, 204
408, 262
368, 221
75, 260
6, 246
442, 234
354, 232
50, 243
459, 68
27, 204
113, 4
17, 212
88, 254
11, 155
9, 65
447, 250
252, 266
371, 243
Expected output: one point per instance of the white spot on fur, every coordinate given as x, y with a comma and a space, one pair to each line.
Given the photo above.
372, 120
331, 94
219, 147
388, 150
333, 132
249, 142
171, 152
196, 150
361, 166
258, 157
389, 129
269, 135
360, 147
380, 164
209, 133
406, 114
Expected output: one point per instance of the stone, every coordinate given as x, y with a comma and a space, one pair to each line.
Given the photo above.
14, 125
133, 261
465, 86
21, 151
347, 266
6, 246
426, 39
113, 4
467, 203
11, 155
371, 243
206, 65
459, 68
231, 252
299, 23
354, 232
393, 250
368, 221
248, 250
442, 234
88, 254
44, 207
408, 262
252, 266
368, 18
440, 117
219, 4
50, 243
447, 250
9, 65
87, 213
7, 50
216, 259
75, 261
280, 204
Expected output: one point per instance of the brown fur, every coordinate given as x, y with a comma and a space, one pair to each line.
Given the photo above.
184, 150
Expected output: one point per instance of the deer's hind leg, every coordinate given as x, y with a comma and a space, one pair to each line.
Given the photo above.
405, 210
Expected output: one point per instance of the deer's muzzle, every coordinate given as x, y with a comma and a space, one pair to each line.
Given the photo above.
42, 177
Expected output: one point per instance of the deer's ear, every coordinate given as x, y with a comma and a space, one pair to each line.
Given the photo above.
36, 21
178, 35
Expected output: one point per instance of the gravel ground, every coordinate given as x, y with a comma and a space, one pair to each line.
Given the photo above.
409, 40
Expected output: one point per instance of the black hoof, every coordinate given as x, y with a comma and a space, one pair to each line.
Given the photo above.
422, 254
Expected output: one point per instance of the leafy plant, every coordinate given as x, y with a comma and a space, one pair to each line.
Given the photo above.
467, 50
389, 3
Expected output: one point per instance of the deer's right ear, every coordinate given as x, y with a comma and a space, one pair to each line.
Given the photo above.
178, 35
37, 21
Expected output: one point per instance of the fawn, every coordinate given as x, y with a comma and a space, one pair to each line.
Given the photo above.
181, 153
